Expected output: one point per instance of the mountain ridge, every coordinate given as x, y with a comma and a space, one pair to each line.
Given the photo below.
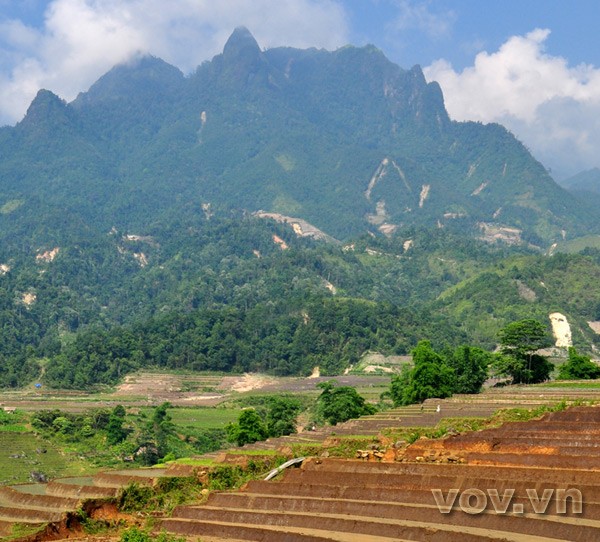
288, 131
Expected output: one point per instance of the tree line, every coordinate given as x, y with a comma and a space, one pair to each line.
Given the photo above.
332, 333
465, 369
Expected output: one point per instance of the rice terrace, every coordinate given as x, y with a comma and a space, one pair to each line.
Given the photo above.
516, 463
259, 283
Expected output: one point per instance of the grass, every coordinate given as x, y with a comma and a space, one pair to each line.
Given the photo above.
13, 422
13, 428
236, 451
223, 477
22, 530
164, 496
202, 417
448, 426
192, 461
344, 446
28, 455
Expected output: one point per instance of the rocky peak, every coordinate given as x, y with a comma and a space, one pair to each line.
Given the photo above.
243, 63
45, 108
241, 43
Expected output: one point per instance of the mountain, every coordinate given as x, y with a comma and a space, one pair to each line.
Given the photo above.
345, 140
274, 210
586, 187
531, 286
585, 181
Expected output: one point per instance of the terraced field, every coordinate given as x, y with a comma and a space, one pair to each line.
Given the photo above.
36, 505
534, 494
148, 389
23, 453
390, 499
427, 415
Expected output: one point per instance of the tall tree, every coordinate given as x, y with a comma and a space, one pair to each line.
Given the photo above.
470, 365
519, 342
248, 429
337, 404
430, 377
115, 432
281, 416
153, 442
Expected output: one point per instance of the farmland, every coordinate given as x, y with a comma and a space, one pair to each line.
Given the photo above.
394, 446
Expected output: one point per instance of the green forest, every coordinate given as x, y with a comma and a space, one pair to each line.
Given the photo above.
129, 236
220, 294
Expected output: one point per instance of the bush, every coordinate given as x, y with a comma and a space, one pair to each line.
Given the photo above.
430, 377
578, 367
339, 404
133, 534
134, 498
168, 492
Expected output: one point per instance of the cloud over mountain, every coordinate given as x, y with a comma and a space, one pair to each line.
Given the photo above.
552, 106
81, 39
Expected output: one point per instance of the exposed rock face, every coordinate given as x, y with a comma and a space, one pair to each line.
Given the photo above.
301, 228
279, 241
595, 326
494, 233
28, 298
48, 255
561, 330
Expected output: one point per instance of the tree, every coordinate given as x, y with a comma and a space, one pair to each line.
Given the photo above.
115, 432
339, 404
578, 367
523, 337
470, 366
518, 343
399, 383
63, 425
281, 416
430, 377
162, 426
248, 429
153, 443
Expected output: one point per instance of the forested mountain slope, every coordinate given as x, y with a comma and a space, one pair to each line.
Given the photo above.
129, 235
346, 140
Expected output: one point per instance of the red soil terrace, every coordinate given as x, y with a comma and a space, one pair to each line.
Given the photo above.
380, 500
350, 500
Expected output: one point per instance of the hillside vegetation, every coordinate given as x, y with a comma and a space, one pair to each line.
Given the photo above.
130, 233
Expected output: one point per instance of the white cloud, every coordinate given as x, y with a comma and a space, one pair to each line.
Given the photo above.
551, 106
82, 39
420, 16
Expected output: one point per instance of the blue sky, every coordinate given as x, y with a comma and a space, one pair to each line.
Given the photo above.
422, 32
532, 65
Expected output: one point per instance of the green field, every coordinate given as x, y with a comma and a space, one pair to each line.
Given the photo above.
203, 417
23, 453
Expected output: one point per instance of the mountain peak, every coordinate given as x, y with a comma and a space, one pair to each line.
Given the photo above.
241, 42
46, 98
45, 106
143, 75
243, 62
